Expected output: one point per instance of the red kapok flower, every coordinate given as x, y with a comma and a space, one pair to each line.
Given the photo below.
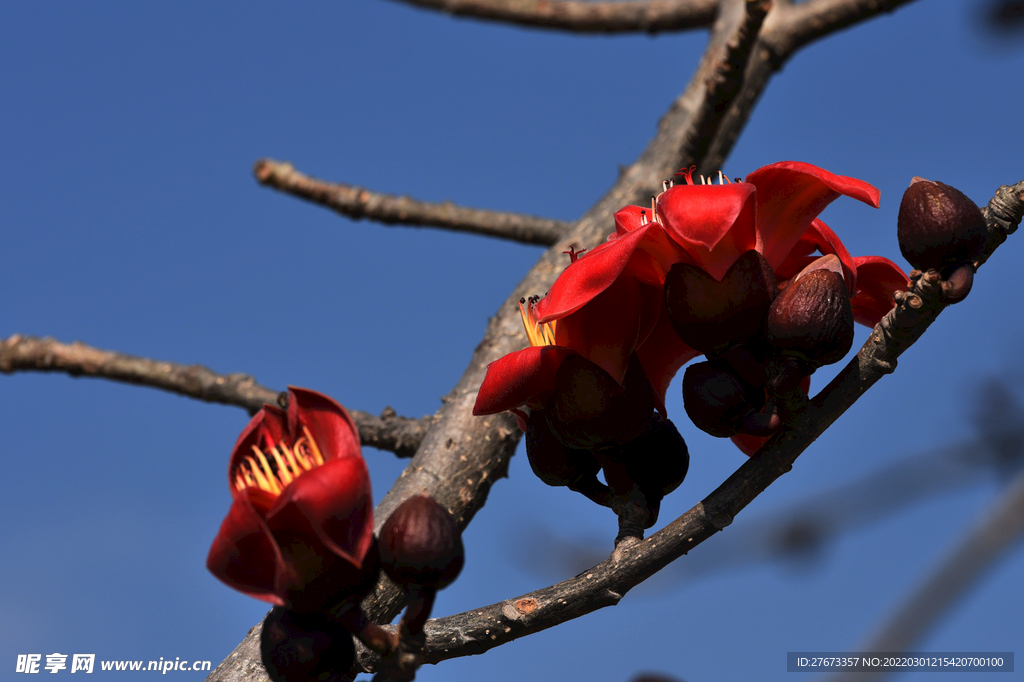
598, 309
300, 528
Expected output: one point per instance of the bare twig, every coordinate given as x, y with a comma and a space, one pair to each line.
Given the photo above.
649, 16
478, 630
978, 551
356, 202
28, 353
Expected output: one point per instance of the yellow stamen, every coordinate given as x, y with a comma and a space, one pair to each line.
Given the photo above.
312, 444
282, 466
537, 333
274, 466
292, 462
261, 473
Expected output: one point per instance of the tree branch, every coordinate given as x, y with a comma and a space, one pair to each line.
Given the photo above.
648, 16
356, 202
19, 353
803, 529
478, 630
461, 456
788, 28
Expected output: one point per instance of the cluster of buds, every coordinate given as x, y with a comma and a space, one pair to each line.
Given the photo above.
299, 535
761, 343
741, 272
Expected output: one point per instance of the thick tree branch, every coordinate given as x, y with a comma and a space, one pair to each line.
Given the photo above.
649, 16
28, 353
356, 202
476, 631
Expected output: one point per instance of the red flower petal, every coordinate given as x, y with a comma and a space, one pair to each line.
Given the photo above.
514, 379
330, 425
877, 279
267, 424
827, 242
591, 274
335, 500
713, 223
790, 195
630, 218
662, 354
244, 554
606, 330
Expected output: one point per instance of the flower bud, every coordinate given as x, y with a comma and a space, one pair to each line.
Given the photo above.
553, 462
709, 315
304, 646
421, 545
718, 401
658, 460
812, 318
589, 409
939, 226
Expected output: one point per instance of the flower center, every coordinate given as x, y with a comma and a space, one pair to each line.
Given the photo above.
278, 465
687, 174
538, 334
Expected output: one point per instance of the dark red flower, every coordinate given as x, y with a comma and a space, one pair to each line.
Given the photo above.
609, 304
606, 306
775, 211
300, 528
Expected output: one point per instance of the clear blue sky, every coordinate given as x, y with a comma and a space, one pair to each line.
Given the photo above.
131, 221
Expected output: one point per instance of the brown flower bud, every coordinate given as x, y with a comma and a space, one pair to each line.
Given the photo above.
709, 315
421, 545
812, 318
589, 409
658, 460
304, 646
939, 226
717, 400
553, 462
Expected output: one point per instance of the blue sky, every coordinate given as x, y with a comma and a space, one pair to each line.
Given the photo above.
131, 221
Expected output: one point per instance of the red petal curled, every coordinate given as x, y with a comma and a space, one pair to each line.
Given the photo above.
590, 275
877, 280
330, 425
606, 330
244, 554
518, 377
790, 195
270, 423
713, 223
630, 218
334, 501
